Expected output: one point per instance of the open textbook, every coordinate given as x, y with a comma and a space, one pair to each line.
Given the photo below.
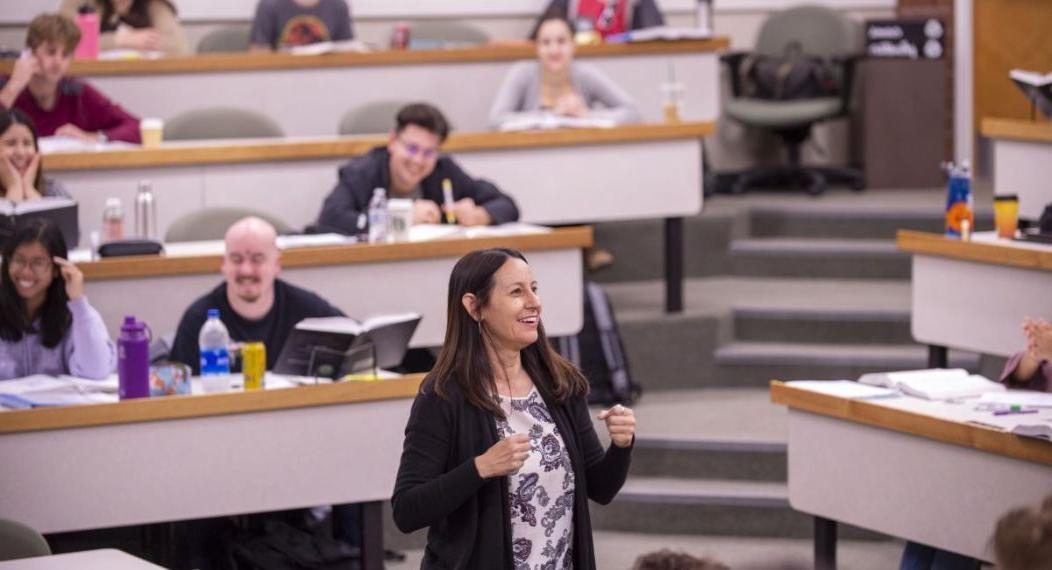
334, 346
544, 120
935, 383
62, 212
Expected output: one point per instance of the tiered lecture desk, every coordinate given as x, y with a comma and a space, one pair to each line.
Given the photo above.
360, 279
307, 94
556, 177
187, 457
104, 559
973, 295
905, 467
1022, 162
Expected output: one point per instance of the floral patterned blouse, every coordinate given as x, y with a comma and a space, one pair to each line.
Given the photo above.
541, 493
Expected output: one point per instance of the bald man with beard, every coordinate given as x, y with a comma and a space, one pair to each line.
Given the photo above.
253, 303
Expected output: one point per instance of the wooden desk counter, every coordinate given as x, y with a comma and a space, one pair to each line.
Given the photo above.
308, 95
873, 413
906, 467
342, 148
1022, 154
206, 405
160, 265
973, 295
362, 280
238, 62
994, 252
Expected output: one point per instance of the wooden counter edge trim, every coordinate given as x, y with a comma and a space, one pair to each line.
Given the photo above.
965, 435
184, 407
235, 62
343, 148
577, 237
1015, 129
924, 243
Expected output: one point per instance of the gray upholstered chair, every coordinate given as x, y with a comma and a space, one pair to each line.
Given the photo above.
20, 541
371, 118
212, 223
233, 38
817, 32
438, 33
221, 123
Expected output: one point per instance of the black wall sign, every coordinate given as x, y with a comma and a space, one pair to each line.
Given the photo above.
906, 39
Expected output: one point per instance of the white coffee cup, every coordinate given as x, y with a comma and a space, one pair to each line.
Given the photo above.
400, 218
152, 132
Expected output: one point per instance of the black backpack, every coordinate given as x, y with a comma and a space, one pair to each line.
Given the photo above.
599, 352
792, 76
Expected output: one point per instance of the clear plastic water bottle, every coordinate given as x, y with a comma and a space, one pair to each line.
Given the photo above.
378, 216
215, 356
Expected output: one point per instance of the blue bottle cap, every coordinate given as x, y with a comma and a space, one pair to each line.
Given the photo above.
213, 313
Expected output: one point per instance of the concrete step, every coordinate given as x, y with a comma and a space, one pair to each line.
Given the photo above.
818, 258
823, 325
756, 363
638, 248
699, 457
850, 221
670, 505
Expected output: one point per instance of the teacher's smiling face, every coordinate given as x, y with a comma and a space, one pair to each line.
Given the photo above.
512, 315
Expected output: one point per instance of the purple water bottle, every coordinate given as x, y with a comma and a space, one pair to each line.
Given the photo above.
133, 359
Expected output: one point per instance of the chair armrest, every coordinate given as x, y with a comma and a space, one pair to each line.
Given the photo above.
733, 61
847, 64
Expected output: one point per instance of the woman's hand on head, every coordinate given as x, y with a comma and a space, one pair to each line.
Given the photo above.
621, 423
73, 277
11, 180
1038, 338
504, 457
29, 179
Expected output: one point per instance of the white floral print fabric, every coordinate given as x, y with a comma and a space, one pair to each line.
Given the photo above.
541, 493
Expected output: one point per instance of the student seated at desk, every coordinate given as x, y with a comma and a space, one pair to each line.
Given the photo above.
555, 83
61, 105
606, 17
142, 25
47, 325
21, 175
289, 23
253, 303
1030, 369
411, 166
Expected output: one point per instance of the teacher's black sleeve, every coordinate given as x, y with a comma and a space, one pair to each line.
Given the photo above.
605, 471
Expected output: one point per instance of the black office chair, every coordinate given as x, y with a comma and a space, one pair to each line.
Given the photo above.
815, 32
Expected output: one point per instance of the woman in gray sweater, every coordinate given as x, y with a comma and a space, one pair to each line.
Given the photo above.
556, 85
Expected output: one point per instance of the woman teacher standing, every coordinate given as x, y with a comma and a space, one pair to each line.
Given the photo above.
500, 456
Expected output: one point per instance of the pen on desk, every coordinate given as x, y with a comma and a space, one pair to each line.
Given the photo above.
447, 201
1013, 412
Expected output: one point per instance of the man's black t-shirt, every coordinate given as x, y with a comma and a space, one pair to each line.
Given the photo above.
291, 305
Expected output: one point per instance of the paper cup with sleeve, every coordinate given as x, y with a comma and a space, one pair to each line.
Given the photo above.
400, 212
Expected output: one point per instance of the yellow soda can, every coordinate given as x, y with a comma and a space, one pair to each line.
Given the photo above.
254, 364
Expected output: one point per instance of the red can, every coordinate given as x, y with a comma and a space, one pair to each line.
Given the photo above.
400, 36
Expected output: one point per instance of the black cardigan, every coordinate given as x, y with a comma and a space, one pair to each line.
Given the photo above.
469, 518
362, 174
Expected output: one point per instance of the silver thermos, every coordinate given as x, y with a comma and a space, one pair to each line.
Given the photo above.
145, 212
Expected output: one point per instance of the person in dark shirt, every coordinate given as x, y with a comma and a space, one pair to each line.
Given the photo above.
288, 23
410, 166
253, 303
60, 105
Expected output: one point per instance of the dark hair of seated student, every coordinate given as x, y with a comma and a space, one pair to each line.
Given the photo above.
1023, 538
10, 118
425, 116
667, 559
54, 314
137, 15
553, 12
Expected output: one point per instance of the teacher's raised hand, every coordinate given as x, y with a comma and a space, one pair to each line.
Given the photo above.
621, 423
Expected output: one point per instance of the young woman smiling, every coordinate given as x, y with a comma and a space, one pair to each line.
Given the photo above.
46, 323
21, 176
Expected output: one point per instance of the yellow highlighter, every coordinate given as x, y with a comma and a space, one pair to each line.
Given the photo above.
447, 201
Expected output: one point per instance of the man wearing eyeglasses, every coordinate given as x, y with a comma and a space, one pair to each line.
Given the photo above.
411, 166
